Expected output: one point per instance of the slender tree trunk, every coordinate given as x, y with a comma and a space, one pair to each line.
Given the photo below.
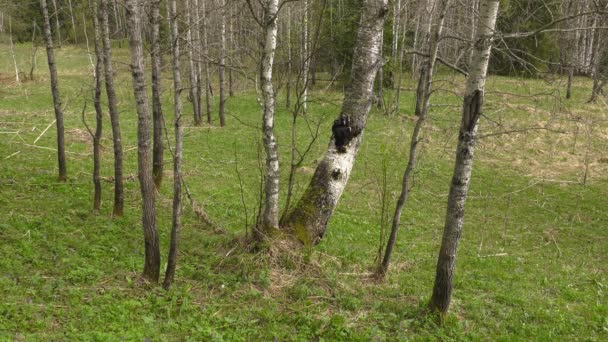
73, 21
198, 57
411, 164
177, 157
222, 66
305, 56
231, 53
86, 38
270, 220
50, 53
98, 111
157, 109
144, 148
471, 111
191, 57
569, 87
289, 57
206, 63
308, 220
57, 27
12, 46
34, 51
113, 108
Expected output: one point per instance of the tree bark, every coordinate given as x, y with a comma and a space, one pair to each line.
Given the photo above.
463, 166
144, 148
57, 27
270, 219
12, 46
308, 220
177, 157
306, 56
289, 56
192, 63
157, 110
98, 111
73, 21
50, 53
206, 64
113, 108
222, 66
425, 93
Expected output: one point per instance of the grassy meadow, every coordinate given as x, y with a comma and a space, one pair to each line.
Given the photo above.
531, 263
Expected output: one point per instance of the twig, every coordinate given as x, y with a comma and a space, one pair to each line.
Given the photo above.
46, 129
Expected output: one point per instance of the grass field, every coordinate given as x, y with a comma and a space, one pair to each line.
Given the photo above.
531, 263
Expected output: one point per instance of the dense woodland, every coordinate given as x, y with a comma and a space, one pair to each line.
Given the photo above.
300, 170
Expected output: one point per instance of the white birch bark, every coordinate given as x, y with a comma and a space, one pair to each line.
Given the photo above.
463, 166
306, 56
270, 218
57, 27
308, 220
222, 65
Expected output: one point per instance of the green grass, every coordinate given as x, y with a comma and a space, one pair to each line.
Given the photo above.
531, 263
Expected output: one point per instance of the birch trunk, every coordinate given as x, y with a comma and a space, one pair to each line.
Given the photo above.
222, 66
12, 46
144, 148
411, 164
191, 58
157, 110
206, 64
50, 53
73, 21
98, 111
308, 220
113, 108
306, 56
288, 85
471, 111
57, 27
177, 157
270, 219
197, 59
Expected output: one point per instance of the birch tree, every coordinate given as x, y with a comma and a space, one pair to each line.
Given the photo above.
98, 110
144, 150
471, 112
270, 219
50, 53
157, 110
222, 65
427, 85
308, 219
177, 156
113, 108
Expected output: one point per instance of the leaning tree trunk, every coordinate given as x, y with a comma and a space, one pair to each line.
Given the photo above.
270, 219
98, 112
425, 93
144, 149
177, 157
308, 220
63, 173
471, 111
222, 66
157, 109
113, 108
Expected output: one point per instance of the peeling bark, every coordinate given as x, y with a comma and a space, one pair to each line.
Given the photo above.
308, 220
270, 219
